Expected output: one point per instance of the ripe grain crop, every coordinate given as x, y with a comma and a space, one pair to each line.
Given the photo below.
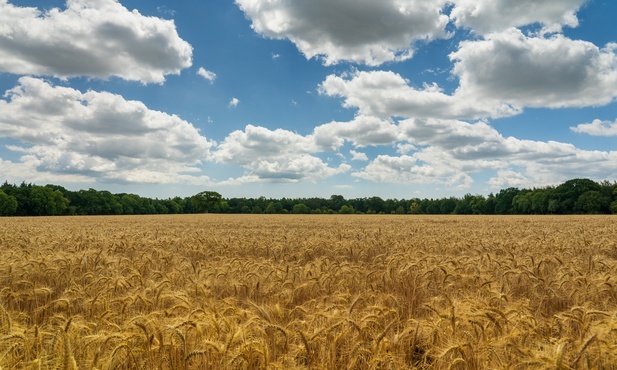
308, 292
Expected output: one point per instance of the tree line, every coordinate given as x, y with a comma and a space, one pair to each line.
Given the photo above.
576, 196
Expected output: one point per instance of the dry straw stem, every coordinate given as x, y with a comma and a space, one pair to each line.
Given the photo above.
5, 321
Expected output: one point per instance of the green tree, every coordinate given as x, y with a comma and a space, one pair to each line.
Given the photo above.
375, 204
522, 202
131, 204
346, 210
463, 206
593, 202
44, 201
160, 207
301, 208
478, 205
314, 203
539, 201
274, 207
206, 200
447, 206
489, 205
270, 208
8, 204
93, 202
503, 200
62, 202
173, 206
567, 194
336, 202
414, 208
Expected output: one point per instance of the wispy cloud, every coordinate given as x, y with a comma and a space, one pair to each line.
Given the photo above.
208, 75
233, 103
165, 10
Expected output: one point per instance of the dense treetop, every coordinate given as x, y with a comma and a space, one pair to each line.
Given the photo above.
576, 196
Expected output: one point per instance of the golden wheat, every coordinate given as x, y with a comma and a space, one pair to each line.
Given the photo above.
300, 292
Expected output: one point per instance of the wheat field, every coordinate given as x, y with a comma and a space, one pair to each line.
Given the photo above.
308, 292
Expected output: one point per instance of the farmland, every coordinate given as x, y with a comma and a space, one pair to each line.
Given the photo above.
308, 292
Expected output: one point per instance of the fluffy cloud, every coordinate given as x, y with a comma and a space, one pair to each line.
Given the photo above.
555, 163
362, 31
498, 76
278, 155
524, 71
468, 140
294, 168
407, 169
362, 131
486, 16
27, 169
387, 94
508, 178
597, 128
94, 38
432, 165
244, 147
358, 156
433, 151
449, 151
373, 33
99, 135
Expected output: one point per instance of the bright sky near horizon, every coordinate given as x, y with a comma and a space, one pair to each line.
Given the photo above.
295, 98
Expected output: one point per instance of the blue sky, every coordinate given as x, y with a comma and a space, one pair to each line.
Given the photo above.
294, 98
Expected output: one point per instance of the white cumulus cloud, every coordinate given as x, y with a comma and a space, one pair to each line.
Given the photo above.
486, 16
358, 156
524, 71
361, 31
498, 76
362, 131
93, 38
597, 128
99, 135
411, 169
387, 94
508, 178
450, 151
274, 155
